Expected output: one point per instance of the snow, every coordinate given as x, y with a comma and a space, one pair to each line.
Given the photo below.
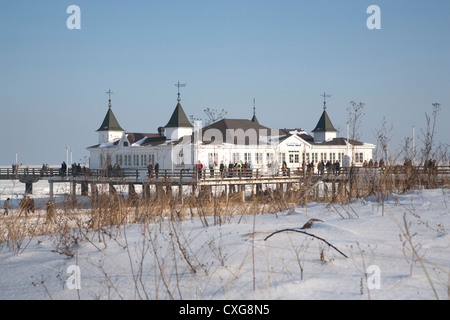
190, 260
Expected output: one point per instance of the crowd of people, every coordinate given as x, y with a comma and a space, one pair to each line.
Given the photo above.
75, 170
239, 168
246, 168
153, 171
329, 167
27, 206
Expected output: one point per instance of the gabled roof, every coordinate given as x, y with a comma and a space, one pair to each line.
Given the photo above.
179, 119
110, 122
134, 137
299, 132
234, 124
324, 124
228, 127
153, 141
305, 137
339, 142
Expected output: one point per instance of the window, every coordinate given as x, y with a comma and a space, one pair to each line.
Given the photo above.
212, 157
259, 157
359, 157
314, 157
269, 157
323, 156
236, 157
333, 157
127, 158
247, 157
125, 144
306, 157
151, 158
143, 159
340, 157
294, 157
136, 160
283, 157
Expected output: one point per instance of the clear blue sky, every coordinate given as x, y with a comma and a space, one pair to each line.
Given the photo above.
284, 54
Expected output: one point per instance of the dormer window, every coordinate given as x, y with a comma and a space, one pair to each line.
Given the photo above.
125, 144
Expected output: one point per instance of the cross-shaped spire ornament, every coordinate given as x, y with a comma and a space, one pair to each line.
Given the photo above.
325, 96
109, 92
179, 85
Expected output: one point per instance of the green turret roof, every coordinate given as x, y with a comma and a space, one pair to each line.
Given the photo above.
254, 119
324, 124
179, 119
110, 122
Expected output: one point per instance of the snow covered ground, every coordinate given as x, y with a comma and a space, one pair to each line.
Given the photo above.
188, 260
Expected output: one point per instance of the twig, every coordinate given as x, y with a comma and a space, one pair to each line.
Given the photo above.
309, 234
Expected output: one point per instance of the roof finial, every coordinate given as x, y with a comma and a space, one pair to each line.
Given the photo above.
109, 92
254, 108
179, 85
324, 100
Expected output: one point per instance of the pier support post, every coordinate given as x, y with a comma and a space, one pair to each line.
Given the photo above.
325, 192
146, 190
50, 182
28, 188
132, 195
84, 188
112, 190
73, 189
333, 191
259, 188
94, 192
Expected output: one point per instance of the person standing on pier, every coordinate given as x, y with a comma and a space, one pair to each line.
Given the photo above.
150, 170
157, 169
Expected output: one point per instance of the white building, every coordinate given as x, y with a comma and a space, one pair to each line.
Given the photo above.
180, 145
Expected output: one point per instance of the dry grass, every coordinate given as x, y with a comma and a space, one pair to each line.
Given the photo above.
104, 217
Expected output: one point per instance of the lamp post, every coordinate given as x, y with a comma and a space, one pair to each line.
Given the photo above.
414, 144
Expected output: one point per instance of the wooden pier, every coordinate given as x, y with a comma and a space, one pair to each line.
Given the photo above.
226, 181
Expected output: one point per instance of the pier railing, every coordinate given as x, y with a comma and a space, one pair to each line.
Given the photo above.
136, 174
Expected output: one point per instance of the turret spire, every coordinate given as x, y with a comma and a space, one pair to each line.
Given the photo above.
254, 119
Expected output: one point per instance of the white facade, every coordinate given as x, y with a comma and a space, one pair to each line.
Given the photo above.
177, 133
184, 147
324, 136
109, 136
